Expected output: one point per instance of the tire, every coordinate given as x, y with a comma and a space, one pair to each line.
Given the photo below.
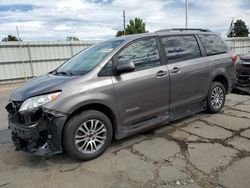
216, 97
78, 138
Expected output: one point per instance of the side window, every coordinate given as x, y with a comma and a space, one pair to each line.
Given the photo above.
213, 44
144, 54
107, 70
181, 48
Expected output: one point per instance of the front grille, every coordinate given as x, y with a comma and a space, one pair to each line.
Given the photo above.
244, 74
246, 64
243, 77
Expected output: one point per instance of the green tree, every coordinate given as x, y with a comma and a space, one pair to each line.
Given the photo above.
119, 33
134, 27
10, 38
72, 38
239, 29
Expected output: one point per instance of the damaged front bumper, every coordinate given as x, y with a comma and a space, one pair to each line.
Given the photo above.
243, 75
243, 81
37, 131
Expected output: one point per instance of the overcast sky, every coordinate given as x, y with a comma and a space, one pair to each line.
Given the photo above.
101, 19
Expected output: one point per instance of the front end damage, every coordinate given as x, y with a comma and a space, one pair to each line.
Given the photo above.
37, 131
243, 74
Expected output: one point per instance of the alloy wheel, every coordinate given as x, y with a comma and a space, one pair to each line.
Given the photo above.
217, 97
90, 136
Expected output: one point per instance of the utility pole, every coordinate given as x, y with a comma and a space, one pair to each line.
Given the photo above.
186, 12
124, 22
21, 52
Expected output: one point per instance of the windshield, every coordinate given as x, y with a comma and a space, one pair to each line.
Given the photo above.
86, 60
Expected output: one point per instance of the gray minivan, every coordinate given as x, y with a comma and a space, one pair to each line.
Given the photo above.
121, 87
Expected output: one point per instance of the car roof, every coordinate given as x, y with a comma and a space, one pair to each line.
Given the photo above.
175, 31
134, 36
183, 31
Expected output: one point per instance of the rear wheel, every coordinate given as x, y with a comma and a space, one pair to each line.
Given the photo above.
87, 135
216, 97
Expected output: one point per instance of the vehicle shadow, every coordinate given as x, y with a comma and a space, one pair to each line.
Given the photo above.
241, 91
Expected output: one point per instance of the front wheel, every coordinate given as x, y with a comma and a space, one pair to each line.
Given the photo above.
216, 97
87, 135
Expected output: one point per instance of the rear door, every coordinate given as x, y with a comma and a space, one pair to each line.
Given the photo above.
143, 94
220, 55
189, 71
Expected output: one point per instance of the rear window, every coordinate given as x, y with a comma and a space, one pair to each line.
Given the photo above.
181, 48
213, 44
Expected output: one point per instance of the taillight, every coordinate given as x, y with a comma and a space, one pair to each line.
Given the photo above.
234, 58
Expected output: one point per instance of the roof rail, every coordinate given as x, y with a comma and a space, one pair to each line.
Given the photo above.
184, 29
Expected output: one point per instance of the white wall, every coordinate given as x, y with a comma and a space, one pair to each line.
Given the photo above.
240, 45
37, 58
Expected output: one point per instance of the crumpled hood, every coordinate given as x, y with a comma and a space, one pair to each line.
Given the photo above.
40, 85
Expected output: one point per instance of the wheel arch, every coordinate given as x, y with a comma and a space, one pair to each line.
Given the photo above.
223, 80
98, 107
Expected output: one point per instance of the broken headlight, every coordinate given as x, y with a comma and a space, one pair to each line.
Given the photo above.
37, 101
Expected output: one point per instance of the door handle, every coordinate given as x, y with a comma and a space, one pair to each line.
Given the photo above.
175, 70
161, 73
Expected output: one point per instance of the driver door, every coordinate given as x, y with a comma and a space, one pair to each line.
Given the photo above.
143, 94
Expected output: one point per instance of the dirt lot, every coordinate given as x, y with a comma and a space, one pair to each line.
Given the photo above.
201, 151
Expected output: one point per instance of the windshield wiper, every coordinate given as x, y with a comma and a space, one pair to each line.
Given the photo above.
65, 73
55, 72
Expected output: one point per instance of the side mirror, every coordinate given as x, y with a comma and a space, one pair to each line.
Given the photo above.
125, 66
